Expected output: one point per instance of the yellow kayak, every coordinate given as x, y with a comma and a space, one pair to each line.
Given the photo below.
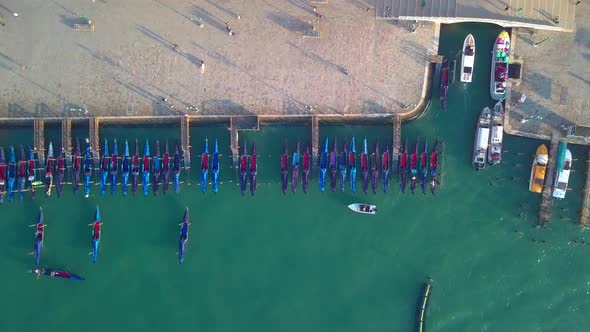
538, 169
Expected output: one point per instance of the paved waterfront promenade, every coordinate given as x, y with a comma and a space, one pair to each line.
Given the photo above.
143, 51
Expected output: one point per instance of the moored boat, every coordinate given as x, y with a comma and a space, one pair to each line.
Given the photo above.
403, 166
444, 83
87, 168
363, 208
145, 169
500, 60
352, 165
135, 167
385, 168
176, 169
434, 167
76, 166
96, 230
295, 169
244, 170
538, 169
496, 134
105, 162
165, 169
562, 178
323, 166
157, 168
31, 171
39, 236
334, 166
375, 168
414, 169
424, 166
61, 170
50, 160
11, 173
114, 167
215, 168
482, 135
205, 166
253, 169
343, 166
284, 169
306, 169
56, 274
365, 167
2, 175
125, 169
468, 59
183, 236
21, 175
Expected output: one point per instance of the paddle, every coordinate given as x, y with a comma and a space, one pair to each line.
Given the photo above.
35, 225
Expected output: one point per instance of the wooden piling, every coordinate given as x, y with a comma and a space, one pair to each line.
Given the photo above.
39, 139
585, 214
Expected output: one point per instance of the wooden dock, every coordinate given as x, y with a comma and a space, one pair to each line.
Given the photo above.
39, 139
66, 139
397, 140
185, 142
585, 214
315, 139
235, 141
93, 125
546, 196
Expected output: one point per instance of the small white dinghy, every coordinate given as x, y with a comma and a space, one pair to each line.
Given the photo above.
363, 208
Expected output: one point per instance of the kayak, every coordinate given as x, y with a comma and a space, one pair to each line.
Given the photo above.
39, 235
104, 168
342, 166
87, 169
61, 170
183, 236
114, 167
31, 170
253, 169
56, 274
424, 166
306, 169
363, 208
176, 170
165, 169
244, 170
284, 169
365, 167
433, 167
215, 168
414, 168
135, 169
334, 166
385, 168
157, 167
2, 175
295, 169
352, 165
323, 166
76, 167
205, 166
403, 166
96, 227
126, 169
21, 173
49, 170
375, 168
11, 173
145, 171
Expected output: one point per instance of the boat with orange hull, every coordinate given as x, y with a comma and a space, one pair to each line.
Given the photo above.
538, 169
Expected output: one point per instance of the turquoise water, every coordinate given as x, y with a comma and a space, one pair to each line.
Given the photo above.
298, 262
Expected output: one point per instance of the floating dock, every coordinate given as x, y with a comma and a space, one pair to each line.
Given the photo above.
93, 124
39, 139
185, 142
546, 197
585, 214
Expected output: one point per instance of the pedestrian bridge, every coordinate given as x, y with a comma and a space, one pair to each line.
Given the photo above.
556, 15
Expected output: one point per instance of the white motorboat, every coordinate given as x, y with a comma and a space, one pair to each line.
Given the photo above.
482, 136
363, 208
468, 59
563, 177
496, 135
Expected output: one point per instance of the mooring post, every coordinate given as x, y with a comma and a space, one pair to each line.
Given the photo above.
39, 139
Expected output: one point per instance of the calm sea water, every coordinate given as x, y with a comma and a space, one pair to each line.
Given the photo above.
300, 262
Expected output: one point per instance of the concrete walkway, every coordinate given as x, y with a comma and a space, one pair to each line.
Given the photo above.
145, 57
